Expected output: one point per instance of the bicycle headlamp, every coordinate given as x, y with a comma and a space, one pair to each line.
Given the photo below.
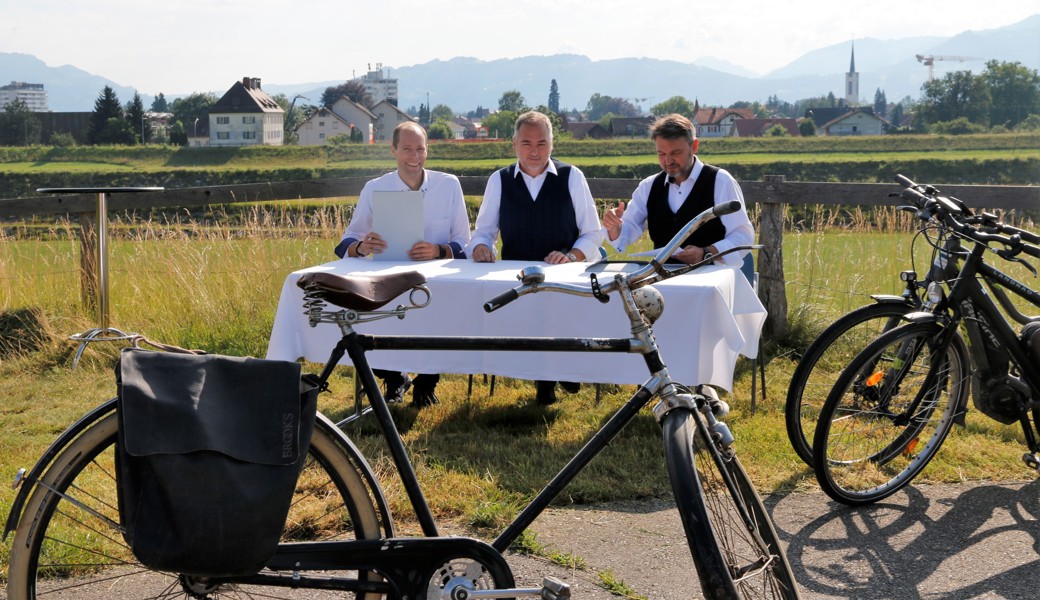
650, 302
935, 293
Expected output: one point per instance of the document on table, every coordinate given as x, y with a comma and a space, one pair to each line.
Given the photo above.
398, 218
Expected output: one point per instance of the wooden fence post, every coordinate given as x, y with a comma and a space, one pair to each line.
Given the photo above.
771, 286
88, 252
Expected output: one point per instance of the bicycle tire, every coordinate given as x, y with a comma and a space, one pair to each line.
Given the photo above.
868, 441
68, 544
735, 557
824, 359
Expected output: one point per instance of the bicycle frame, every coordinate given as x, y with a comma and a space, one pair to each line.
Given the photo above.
969, 302
642, 341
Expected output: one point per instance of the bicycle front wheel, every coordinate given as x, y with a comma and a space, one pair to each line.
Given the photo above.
889, 413
731, 536
824, 359
68, 545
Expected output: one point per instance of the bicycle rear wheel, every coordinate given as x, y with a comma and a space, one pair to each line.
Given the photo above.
889, 413
731, 536
68, 545
824, 359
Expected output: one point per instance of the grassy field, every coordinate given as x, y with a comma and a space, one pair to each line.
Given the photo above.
216, 288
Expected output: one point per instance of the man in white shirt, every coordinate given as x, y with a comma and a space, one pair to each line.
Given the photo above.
446, 231
665, 202
542, 208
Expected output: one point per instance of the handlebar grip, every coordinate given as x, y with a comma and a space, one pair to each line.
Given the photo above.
726, 208
904, 181
501, 300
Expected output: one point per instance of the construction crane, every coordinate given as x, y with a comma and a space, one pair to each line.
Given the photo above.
929, 61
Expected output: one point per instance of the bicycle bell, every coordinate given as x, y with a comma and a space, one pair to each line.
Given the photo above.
531, 275
650, 302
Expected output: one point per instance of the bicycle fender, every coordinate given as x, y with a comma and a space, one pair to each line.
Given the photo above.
28, 482
888, 299
921, 317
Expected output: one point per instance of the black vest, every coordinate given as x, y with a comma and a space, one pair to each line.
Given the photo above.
531, 229
663, 224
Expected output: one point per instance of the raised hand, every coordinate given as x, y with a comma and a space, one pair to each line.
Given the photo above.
612, 221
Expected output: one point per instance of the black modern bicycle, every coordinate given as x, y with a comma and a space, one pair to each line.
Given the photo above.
839, 342
894, 404
339, 535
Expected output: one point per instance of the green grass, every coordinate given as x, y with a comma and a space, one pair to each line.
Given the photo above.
216, 287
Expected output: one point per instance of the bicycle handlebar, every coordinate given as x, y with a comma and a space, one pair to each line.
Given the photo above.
952, 213
650, 273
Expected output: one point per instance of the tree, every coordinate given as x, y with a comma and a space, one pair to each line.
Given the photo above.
599, 105
807, 127
116, 130
1014, 90
675, 104
105, 107
776, 130
442, 112
955, 95
512, 101
958, 126
159, 104
353, 90
554, 118
186, 111
755, 107
424, 115
880, 103
18, 125
500, 124
135, 117
554, 97
440, 130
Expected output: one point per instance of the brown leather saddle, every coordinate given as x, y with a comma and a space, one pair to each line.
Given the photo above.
359, 292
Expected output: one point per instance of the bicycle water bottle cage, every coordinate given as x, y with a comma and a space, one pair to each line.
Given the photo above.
361, 295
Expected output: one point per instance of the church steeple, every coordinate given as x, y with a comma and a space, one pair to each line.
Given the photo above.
852, 81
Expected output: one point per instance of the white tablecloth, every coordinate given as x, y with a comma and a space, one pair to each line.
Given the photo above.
710, 317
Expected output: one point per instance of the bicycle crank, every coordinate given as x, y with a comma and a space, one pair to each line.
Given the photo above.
1032, 461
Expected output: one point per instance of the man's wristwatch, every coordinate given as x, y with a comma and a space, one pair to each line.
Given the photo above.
708, 257
571, 257
440, 252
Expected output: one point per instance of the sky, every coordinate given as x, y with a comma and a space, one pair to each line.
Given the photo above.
182, 46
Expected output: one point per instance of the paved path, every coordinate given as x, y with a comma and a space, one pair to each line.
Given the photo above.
926, 542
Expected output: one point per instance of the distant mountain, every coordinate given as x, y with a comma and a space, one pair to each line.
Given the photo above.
464, 83
68, 89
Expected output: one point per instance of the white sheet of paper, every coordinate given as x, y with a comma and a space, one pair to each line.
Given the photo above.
398, 218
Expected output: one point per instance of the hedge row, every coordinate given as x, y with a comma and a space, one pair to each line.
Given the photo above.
310, 155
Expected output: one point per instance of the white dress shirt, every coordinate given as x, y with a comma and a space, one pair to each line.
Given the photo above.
590, 237
444, 209
739, 231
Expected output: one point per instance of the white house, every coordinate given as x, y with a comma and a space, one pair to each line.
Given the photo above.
388, 117
855, 122
246, 116
338, 119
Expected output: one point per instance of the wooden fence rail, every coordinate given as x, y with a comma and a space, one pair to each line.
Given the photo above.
771, 194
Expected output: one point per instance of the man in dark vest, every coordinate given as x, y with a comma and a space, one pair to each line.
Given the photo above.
543, 209
665, 202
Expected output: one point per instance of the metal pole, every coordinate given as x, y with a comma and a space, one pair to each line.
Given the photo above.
102, 261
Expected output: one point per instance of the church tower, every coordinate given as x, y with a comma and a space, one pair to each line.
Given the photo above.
852, 81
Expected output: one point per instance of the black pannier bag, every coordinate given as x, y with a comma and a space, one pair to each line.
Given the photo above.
209, 451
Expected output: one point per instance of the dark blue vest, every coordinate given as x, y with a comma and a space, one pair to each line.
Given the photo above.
663, 224
532, 229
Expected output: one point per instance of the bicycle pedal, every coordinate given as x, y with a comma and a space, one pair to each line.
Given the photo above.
1032, 461
555, 589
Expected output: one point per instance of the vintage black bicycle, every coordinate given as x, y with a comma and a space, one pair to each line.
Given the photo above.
894, 404
339, 536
